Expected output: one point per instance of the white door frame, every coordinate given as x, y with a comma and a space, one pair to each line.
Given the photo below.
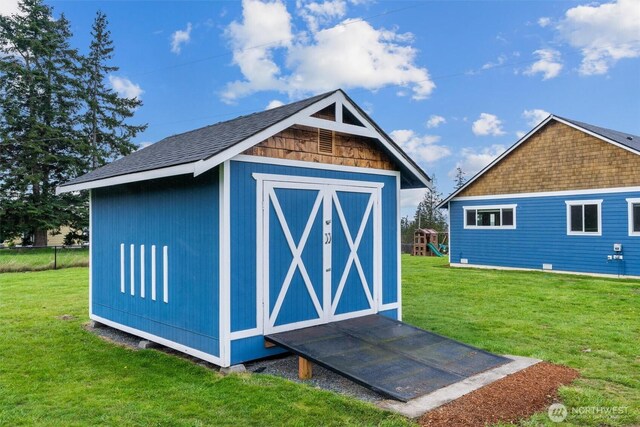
323, 205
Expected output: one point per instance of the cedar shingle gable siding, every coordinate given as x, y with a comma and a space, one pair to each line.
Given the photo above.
301, 143
557, 158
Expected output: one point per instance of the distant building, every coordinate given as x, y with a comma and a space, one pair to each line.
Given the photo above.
565, 197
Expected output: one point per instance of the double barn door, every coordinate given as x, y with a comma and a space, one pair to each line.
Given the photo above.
321, 251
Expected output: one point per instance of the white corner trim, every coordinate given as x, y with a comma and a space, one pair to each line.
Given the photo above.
224, 268
575, 273
399, 249
630, 203
163, 341
489, 207
571, 203
186, 168
596, 191
91, 256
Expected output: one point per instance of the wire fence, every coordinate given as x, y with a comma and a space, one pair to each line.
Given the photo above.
33, 258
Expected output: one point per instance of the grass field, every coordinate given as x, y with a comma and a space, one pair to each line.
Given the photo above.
53, 372
42, 259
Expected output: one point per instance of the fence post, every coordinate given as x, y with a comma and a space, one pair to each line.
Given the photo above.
55, 257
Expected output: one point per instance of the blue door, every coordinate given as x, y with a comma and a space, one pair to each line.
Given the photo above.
320, 241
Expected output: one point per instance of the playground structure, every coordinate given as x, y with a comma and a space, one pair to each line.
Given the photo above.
426, 242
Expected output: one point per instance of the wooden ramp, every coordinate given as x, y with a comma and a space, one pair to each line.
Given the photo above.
390, 357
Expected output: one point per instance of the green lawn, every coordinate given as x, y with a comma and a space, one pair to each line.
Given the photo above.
42, 259
53, 372
590, 324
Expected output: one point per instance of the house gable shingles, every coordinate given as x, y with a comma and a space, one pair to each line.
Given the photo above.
558, 158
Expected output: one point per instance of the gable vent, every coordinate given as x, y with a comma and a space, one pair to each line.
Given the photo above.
325, 141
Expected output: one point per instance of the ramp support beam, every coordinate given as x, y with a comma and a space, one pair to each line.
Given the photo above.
305, 368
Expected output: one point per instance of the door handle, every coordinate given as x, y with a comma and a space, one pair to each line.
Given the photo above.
327, 238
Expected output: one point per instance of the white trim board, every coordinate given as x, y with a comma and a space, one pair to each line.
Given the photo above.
630, 203
224, 266
312, 165
163, 341
612, 190
575, 273
301, 117
533, 131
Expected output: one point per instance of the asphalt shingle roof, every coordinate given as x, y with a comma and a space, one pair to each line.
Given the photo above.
198, 144
626, 139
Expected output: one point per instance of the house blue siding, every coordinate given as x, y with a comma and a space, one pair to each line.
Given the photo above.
541, 236
180, 213
243, 244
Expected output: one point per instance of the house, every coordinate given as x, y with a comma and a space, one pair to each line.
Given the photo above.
208, 240
565, 197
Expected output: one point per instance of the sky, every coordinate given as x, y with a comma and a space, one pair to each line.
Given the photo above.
455, 83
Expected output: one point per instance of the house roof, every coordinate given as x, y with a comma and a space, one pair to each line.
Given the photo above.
623, 140
202, 149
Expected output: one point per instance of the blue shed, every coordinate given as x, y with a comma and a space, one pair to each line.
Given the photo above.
564, 198
208, 240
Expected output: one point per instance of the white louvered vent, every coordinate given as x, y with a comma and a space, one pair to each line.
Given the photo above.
325, 141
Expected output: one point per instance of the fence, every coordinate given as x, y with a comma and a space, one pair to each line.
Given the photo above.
29, 258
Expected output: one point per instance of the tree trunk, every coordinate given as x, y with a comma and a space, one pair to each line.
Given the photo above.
40, 238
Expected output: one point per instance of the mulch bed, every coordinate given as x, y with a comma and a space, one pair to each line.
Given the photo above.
510, 399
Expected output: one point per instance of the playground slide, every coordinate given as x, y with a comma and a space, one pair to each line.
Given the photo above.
435, 250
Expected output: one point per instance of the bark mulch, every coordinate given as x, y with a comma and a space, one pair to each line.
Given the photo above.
510, 399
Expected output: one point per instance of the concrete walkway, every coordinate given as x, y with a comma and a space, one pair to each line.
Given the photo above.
420, 405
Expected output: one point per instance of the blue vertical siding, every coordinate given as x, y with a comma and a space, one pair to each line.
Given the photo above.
541, 236
243, 245
180, 213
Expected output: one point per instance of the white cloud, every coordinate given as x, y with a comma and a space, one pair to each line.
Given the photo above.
544, 21
9, 7
264, 27
434, 121
489, 65
275, 103
372, 58
520, 133
535, 116
604, 33
179, 38
549, 64
320, 13
125, 87
144, 144
421, 148
487, 124
409, 200
473, 161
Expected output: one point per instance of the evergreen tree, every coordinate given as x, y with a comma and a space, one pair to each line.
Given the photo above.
104, 120
39, 144
460, 179
427, 213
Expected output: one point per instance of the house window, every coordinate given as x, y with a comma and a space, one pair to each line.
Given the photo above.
584, 218
634, 217
490, 217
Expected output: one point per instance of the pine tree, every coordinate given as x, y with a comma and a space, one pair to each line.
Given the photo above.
460, 179
428, 215
104, 120
39, 144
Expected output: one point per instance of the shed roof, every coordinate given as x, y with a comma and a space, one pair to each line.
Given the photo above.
623, 140
202, 149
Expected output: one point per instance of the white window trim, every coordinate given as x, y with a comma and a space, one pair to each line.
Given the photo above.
570, 203
630, 203
490, 227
